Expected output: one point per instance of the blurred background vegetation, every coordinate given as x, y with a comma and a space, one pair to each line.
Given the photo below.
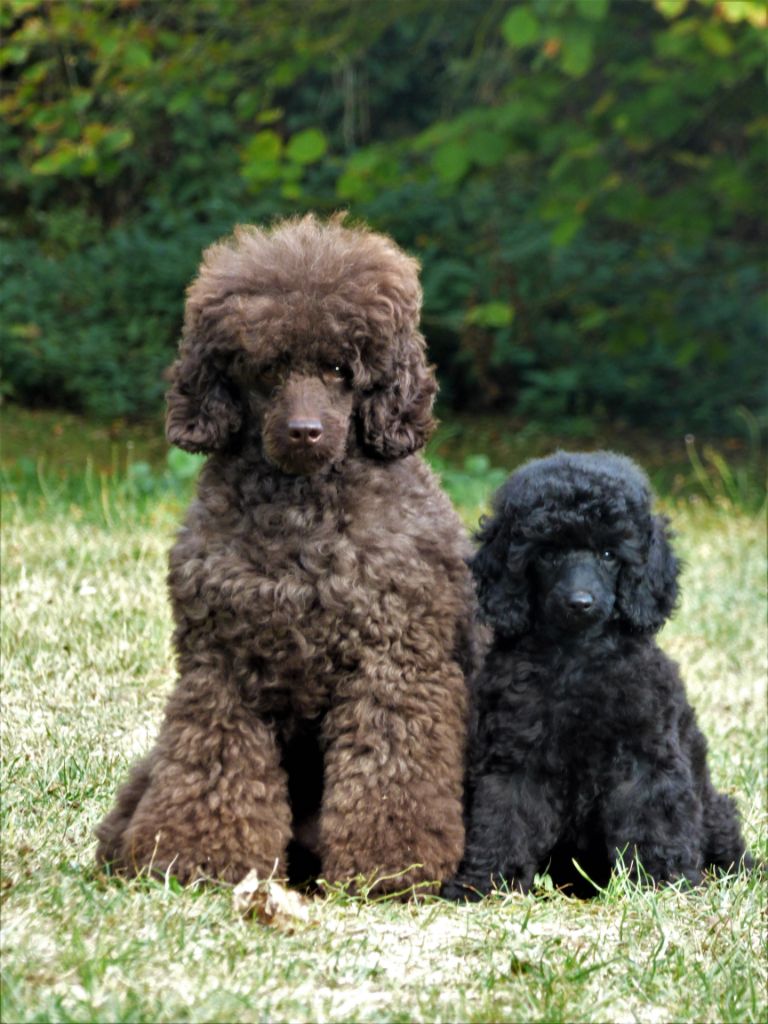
583, 180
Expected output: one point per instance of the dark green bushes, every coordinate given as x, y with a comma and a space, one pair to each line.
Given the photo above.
582, 179
93, 328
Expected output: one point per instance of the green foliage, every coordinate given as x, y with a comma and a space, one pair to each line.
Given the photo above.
582, 179
614, 220
111, 498
470, 485
93, 329
725, 483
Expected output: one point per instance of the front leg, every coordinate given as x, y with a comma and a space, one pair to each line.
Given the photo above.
393, 777
513, 827
653, 815
211, 798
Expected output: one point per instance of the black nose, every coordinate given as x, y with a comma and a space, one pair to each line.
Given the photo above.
581, 600
303, 431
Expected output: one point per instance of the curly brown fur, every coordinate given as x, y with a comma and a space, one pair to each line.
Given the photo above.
585, 745
323, 606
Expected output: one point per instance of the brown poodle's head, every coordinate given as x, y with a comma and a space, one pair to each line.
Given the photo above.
305, 337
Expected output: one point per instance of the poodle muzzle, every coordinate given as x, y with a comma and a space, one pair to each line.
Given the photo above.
306, 424
578, 592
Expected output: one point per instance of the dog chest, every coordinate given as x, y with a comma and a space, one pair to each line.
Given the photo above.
298, 587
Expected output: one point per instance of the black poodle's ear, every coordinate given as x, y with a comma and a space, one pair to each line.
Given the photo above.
647, 592
396, 418
499, 568
203, 412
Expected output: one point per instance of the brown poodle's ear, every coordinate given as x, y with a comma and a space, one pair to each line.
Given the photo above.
396, 418
647, 592
203, 412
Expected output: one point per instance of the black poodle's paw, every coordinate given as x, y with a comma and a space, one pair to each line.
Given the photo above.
456, 890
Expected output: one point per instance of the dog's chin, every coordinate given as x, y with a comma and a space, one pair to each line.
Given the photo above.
577, 624
306, 463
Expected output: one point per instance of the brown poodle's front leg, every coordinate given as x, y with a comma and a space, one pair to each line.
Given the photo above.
393, 778
209, 801
112, 829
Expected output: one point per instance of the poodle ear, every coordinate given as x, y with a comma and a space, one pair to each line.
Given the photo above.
502, 582
648, 592
203, 412
396, 418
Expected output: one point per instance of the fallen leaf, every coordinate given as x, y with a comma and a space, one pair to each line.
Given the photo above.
270, 903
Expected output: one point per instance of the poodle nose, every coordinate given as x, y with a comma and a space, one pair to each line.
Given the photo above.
581, 600
305, 431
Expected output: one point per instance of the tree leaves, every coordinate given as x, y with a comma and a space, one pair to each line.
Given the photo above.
491, 314
86, 156
521, 27
569, 39
264, 146
552, 162
578, 48
452, 161
266, 158
307, 147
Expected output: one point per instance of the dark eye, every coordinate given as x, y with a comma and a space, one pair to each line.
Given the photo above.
336, 373
607, 555
548, 555
269, 377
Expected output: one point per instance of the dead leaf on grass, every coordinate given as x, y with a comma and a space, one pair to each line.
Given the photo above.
270, 903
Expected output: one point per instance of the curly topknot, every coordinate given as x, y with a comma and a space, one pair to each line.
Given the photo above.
337, 293
587, 498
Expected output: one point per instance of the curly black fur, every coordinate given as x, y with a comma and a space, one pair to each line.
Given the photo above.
584, 745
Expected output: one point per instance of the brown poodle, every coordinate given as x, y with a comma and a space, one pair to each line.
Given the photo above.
323, 608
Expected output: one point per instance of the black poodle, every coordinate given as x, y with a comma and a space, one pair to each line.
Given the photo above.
584, 745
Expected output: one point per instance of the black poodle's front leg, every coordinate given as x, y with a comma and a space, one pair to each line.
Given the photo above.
514, 824
652, 815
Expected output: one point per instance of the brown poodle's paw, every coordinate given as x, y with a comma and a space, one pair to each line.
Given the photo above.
375, 871
391, 856
162, 854
402, 884
110, 835
112, 828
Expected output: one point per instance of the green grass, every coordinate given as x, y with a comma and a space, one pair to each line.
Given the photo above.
87, 664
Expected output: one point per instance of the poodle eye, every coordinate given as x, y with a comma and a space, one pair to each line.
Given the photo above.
268, 378
549, 555
336, 373
607, 555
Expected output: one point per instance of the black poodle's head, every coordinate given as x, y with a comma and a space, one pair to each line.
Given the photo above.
572, 543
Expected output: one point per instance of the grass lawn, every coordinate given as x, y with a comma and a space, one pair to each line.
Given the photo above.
86, 667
